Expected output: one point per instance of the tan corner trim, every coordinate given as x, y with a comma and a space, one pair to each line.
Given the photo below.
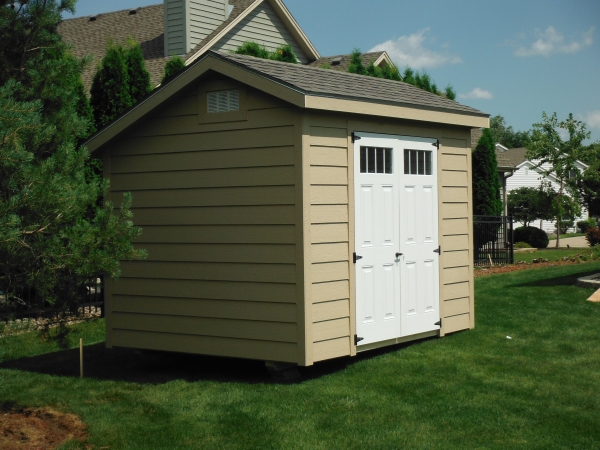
351, 238
384, 58
304, 259
139, 110
256, 81
294, 27
223, 32
399, 112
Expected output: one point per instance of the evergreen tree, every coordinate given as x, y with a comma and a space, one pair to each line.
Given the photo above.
285, 53
486, 184
139, 78
391, 73
253, 49
356, 64
450, 93
51, 225
111, 94
172, 68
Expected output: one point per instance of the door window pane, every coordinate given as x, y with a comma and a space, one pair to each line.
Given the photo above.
418, 162
376, 160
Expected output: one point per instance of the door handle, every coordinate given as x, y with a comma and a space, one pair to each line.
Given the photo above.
398, 255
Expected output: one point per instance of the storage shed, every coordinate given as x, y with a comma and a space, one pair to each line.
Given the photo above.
291, 213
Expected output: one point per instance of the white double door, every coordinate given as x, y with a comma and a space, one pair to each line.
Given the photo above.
396, 232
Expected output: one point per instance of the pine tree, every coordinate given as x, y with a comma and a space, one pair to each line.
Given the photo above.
486, 184
172, 68
139, 78
356, 64
110, 90
253, 49
285, 53
52, 228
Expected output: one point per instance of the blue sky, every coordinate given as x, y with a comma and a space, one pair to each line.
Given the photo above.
513, 58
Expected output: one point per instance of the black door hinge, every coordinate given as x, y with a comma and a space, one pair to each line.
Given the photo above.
438, 250
439, 324
355, 137
356, 257
436, 144
357, 339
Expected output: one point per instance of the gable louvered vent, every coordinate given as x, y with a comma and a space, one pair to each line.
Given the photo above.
223, 101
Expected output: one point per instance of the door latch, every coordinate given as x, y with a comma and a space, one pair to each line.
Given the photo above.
356, 257
398, 255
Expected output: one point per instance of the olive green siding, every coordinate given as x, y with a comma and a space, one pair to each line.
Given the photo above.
217, 204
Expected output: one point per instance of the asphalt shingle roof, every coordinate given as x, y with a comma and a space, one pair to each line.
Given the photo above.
515, 155
331, 83
503, 161
146, 26
366, 58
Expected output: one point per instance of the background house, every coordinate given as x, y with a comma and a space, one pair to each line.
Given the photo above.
189, 28
526, 174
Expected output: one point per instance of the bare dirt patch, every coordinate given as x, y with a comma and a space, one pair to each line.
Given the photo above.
43, 428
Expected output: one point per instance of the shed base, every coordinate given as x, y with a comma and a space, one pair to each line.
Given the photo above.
283, 372
414, 337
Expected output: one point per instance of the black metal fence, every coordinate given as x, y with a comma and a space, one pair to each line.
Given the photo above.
72, 298
493, 240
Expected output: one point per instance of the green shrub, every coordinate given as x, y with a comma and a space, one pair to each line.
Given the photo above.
584, 225
522, 245
593, 236
533, 236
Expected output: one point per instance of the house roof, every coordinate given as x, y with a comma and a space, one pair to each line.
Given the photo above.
344, 60
306, 87
515, 156
503, 161
334, 84
146, 26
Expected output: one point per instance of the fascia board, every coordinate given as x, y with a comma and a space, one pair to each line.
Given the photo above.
293, 26
384, 57
395, 111
154, 100
223, 32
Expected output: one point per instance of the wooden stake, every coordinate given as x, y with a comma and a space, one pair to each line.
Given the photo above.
80, 357
491, 263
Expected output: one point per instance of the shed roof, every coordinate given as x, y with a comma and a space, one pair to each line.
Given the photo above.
307, 87
330, 83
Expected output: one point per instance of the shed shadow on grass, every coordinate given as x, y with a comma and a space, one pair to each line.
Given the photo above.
129, 365
568, 280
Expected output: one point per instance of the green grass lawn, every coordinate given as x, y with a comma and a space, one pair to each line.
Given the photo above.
474, 389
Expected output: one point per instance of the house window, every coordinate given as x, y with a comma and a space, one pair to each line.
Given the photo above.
223, 101
418, 162
375, 160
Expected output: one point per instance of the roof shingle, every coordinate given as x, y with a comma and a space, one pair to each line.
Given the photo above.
344, 63
331, 83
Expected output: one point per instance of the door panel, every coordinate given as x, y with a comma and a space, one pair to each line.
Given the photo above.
396, 213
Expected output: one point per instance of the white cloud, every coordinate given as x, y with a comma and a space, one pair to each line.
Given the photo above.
552, 41
477, 94
591, 118
410, 51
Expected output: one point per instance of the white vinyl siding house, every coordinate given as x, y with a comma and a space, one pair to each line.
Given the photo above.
528, 175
